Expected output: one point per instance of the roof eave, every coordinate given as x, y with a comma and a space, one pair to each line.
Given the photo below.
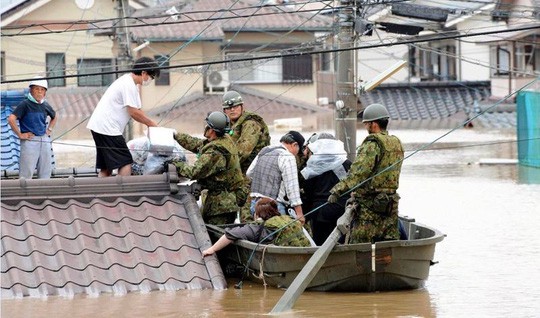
20, 10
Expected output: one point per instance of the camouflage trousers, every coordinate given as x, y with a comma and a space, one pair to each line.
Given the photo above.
369, 226
219, 207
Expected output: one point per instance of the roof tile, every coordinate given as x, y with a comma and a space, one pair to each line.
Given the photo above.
200, 21
115, 241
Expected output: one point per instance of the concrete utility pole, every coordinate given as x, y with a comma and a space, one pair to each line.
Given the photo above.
346, 101
124, 56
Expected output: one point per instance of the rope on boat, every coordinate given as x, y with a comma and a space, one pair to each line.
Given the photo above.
261, 263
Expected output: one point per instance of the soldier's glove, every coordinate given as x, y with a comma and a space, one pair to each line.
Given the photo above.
333, 198
196, 190
166, 164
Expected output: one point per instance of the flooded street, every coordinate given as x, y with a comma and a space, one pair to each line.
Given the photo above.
488, 265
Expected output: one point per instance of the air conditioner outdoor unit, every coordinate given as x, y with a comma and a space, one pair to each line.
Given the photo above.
217, 81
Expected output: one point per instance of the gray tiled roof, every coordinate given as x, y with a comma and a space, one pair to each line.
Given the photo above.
213, 25
74, 101
68, 236
439, 103
427, 100
194, 108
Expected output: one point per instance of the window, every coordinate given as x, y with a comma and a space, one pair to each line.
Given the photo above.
293, 69
2, 65
56, 65
500, 60
297, 69
92, 66
165, 74
433, 61
447, 63
413, 61
527, 57
327, 62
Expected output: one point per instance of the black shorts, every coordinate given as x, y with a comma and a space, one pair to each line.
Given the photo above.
112, 152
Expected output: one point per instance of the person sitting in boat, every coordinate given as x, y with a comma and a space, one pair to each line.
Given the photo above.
327, 163
274, 174
268, 220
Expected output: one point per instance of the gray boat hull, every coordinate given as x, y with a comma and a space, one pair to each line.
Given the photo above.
384, 266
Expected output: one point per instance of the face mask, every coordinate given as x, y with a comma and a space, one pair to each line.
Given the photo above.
147, 82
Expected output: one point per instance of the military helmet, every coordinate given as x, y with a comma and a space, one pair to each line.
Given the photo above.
219, 122
374, 112
232, 98
38, 81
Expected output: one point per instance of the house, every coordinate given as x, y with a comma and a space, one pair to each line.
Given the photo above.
255, 41
37, 40
184, 42
192, 39
441, 55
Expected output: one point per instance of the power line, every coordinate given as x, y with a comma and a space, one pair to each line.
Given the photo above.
197, 67
103, 24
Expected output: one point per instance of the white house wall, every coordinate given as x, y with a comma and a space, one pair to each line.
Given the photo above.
183, 81
474, 62
372, 62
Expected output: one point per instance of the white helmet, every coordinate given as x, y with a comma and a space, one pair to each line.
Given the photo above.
39, 81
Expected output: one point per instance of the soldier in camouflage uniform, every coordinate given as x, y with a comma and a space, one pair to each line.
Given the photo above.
373, 180
289, 232
217, 169
249, 131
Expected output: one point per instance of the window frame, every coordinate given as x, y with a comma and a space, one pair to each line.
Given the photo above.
2, 65
105, 65
278, 70
164, 78
433, 61
497, 59
56, 70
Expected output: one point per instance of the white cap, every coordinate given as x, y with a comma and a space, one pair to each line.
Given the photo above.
39, 81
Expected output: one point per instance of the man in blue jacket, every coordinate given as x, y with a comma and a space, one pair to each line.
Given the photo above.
34, 132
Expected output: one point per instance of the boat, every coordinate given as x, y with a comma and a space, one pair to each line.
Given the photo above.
383, 266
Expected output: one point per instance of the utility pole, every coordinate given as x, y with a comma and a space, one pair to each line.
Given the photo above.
346, 99
124, 56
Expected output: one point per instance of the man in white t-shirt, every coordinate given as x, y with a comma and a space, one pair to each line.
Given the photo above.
120, 103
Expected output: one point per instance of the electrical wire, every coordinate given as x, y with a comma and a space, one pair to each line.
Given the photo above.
363, 47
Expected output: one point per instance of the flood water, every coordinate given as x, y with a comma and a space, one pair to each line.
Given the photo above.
488, 265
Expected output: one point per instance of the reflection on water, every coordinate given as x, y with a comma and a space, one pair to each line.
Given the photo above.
488, 264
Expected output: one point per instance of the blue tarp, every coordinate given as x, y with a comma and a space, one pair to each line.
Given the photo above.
528, 128
10, 142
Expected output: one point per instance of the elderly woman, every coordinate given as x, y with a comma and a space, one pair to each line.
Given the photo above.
327, 163
268, 220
